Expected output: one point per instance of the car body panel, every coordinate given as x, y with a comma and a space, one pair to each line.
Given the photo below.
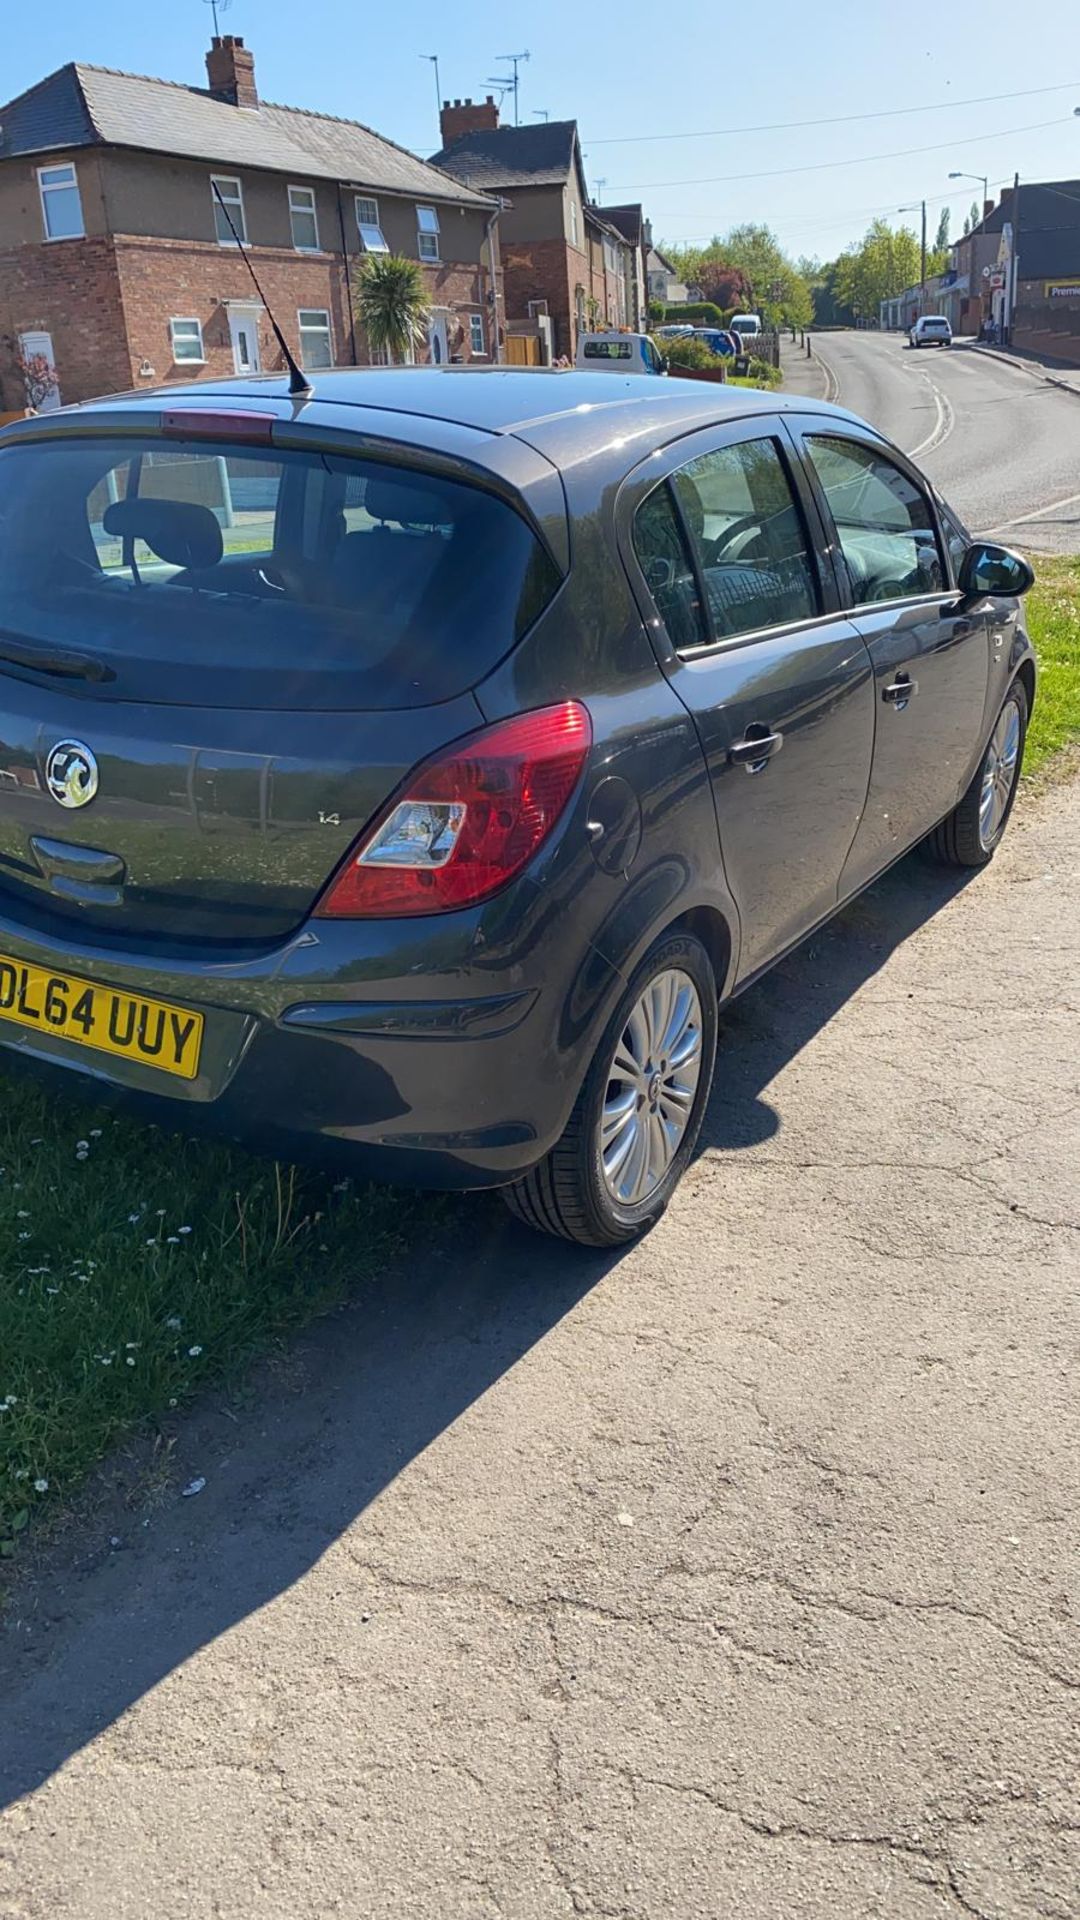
448, 1050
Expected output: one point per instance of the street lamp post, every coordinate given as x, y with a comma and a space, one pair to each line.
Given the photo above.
915, 207
984, 178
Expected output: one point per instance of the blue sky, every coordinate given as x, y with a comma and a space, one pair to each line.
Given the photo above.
630, 72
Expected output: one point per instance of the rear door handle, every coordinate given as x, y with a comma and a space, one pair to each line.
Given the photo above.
756, 748
900, 691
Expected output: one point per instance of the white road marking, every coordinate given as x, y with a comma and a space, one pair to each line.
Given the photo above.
943, 425
1039, 513
832, 384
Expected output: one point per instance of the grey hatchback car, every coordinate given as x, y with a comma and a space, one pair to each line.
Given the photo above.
409, 771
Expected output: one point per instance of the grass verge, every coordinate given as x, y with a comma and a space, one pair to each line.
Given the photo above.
1052, 611
135, 1268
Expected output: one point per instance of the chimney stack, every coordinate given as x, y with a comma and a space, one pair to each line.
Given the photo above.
230, 69
988, 208
461, 116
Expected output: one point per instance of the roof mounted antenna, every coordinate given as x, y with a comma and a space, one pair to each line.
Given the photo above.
299, 384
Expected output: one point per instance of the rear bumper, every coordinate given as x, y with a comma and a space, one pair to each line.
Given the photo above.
346, 1045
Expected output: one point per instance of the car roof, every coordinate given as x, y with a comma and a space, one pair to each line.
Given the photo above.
564, 411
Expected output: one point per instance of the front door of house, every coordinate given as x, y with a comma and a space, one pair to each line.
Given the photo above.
438, 340
244, 332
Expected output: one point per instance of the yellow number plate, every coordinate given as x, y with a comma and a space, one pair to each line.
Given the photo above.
149, 1031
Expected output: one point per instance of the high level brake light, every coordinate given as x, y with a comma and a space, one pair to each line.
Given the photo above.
468, 821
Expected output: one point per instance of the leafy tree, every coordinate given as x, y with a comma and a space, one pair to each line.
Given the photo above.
770, 283
657, 311
941, 238
392, 305
885, 261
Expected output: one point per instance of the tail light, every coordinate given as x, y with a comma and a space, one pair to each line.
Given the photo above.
465, 823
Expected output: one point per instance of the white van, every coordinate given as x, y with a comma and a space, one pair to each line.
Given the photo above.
619, 353
746, 325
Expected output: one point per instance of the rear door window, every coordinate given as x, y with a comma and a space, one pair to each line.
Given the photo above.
229, 575
750, 539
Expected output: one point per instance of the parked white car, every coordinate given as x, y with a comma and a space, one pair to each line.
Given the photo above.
747, 326
619, 352
931, 330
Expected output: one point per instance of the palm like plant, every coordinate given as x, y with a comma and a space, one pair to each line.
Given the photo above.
392, 305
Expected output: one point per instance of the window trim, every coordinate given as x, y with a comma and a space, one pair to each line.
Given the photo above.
312, 210
221, 181
427, 235
575, 240
363, 199
57, 186
659, 467
301, 329
818, 429
187, 360
476, 324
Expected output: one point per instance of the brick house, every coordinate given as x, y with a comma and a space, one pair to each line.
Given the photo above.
1036, 230
630, 223
560, 255
116, 260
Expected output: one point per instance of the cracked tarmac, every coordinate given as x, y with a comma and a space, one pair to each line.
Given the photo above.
736, 1575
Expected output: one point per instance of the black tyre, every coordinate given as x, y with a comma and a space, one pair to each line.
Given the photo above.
972, 832
639, 1112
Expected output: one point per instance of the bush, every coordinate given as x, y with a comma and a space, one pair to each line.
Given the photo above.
687, 353
763, 373
698, 313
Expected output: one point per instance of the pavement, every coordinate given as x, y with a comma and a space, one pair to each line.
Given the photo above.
735, 1575
998, 435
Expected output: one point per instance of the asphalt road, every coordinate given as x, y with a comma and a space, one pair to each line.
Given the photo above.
1000, 442
735, 1576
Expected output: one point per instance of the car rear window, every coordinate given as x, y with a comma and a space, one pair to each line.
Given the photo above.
233, 576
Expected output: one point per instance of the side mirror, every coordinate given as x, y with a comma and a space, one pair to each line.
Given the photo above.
987, 568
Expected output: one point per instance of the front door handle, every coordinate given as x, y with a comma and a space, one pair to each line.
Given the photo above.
756, 748
900, 691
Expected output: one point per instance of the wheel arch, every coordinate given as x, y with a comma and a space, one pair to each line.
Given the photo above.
1025, 673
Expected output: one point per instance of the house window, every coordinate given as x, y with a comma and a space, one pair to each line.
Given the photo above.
61, 208
316, 348
367, 220
476, 333
187, 341
305, 227
573, 223
232, 194
427, 236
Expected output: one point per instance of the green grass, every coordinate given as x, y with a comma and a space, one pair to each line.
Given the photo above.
1053, 619
136, 1267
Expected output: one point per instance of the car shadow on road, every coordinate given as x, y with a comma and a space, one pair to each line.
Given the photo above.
130, 1599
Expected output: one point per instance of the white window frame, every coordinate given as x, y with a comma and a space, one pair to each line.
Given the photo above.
427, 233
574, 241
364, 226
308, 194
187, 359
306, 314
233, 201
45, 187
476, 327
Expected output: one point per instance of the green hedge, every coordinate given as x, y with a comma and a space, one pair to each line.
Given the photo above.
696, 313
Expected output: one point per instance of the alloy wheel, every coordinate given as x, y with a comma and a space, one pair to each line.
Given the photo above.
651, 1087
999, 774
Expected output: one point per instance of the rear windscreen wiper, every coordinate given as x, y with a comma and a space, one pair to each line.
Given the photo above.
58, 660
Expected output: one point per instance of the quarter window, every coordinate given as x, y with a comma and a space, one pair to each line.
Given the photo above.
749, 538
233, 195
187, 341
305, 226
367, 221
427, 235
316, 347
884, 522
664, 558
61, 207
